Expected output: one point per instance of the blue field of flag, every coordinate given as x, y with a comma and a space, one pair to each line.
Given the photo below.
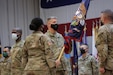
57, 3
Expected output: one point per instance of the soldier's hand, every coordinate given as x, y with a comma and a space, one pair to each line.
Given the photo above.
57, 62
102, 70
75, 66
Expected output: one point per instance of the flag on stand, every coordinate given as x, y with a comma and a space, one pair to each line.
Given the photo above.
76, 30
77, 24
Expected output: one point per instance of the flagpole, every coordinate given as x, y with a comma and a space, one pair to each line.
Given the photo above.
61, 53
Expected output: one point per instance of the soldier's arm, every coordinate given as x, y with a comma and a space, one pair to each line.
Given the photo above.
102, 47
48, 51
94, 66
19, 55
24, 56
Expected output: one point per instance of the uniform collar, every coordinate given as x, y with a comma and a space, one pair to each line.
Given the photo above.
51, 34
7, 59
83, 58
37, 32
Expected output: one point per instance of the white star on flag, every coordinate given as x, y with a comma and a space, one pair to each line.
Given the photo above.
48, 1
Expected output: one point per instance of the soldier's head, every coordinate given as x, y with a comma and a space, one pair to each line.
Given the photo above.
84, 48
52, 23
16, 33
106, 16
6, 51
36, 24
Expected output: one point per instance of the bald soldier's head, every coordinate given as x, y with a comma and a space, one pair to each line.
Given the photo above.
52, 24
106, 16
16, 33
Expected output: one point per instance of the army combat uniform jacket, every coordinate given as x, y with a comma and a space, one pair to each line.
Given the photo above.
104, 44
5, 66
58, 43
16, 58
37, 54
87, 65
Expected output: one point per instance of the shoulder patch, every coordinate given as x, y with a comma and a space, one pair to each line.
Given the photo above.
49, 43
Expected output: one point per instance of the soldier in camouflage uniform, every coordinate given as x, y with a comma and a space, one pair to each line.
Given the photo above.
87, 64
5, 65
16, 52
104, 43
58, 43
37, 54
